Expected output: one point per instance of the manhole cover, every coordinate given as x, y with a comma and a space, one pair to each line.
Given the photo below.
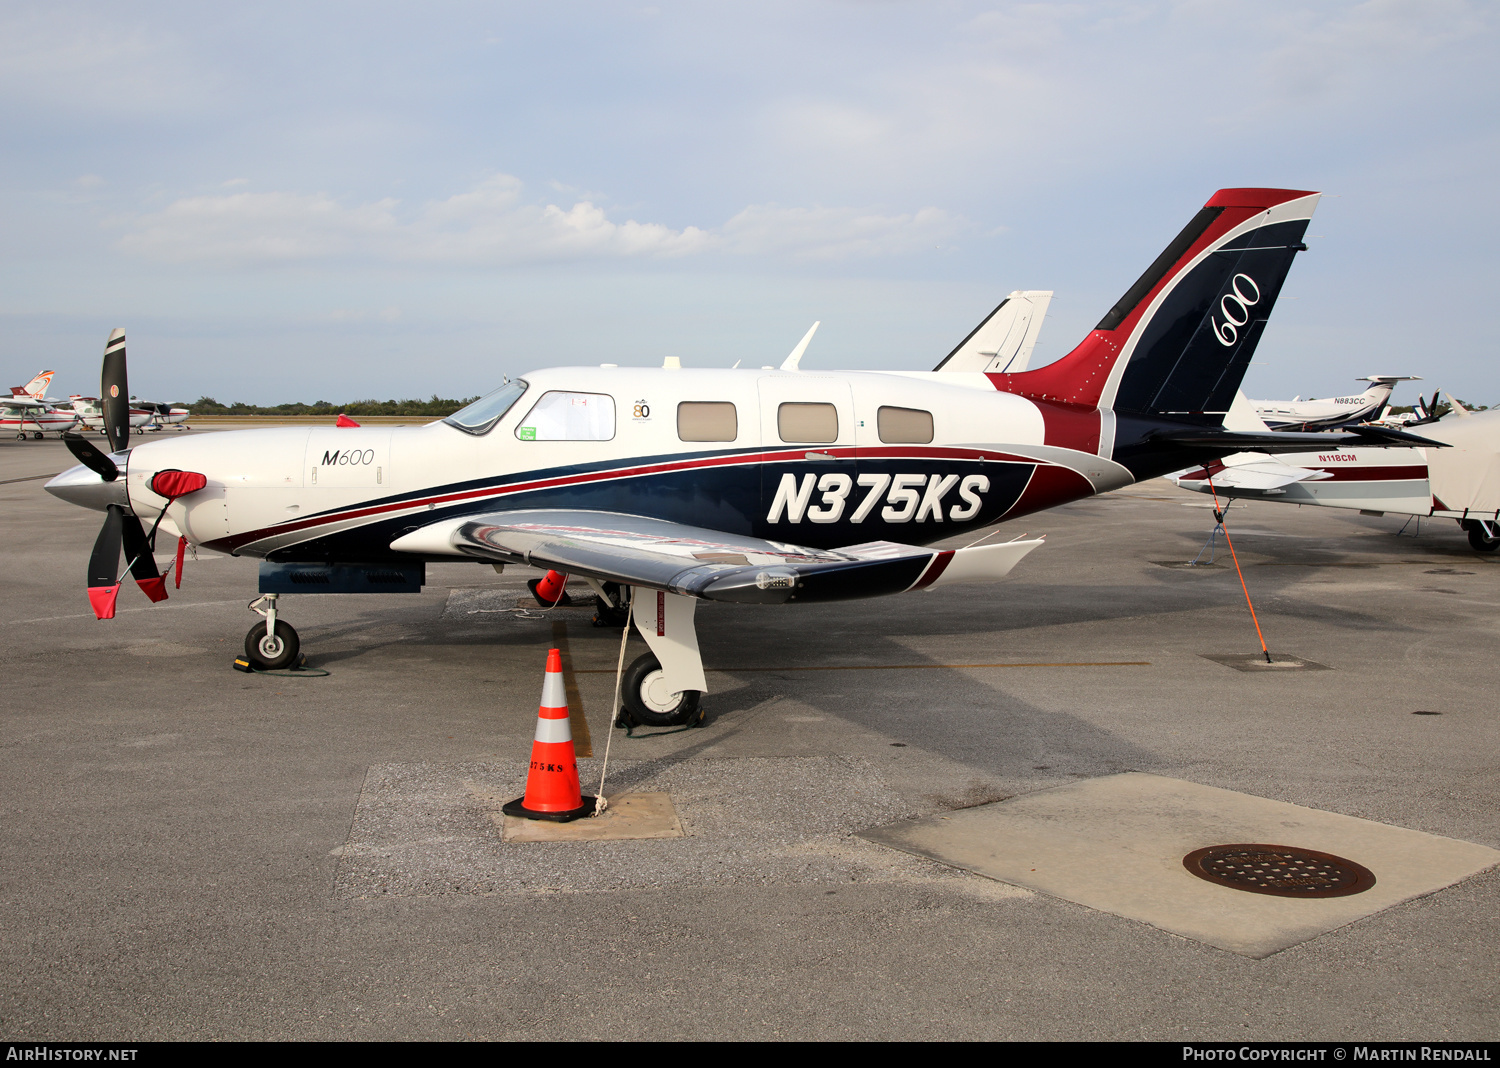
1279, 870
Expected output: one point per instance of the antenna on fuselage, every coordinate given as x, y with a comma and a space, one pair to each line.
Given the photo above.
792, 362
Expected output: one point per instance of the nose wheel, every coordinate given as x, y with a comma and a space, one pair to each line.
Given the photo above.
272, 645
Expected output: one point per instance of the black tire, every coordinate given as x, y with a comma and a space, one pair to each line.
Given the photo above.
1480, 541
649, 711
604, 615
273, 655
38, 435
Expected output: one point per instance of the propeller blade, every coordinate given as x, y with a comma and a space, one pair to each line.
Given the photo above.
142, 560
114, 393
104, 563
88, 454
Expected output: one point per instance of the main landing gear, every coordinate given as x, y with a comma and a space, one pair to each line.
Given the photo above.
273, 645
1484, 535
663, 687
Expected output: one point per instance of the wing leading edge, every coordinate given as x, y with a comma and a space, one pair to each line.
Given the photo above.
657, 554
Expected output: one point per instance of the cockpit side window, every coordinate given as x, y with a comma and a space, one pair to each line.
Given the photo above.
479, 417
561, 415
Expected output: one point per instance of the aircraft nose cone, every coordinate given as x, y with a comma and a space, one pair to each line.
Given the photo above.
83, 487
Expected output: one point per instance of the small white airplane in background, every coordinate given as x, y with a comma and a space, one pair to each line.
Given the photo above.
28, 410
752, 486
1461, 482
90, 411
1331, 412
162, 415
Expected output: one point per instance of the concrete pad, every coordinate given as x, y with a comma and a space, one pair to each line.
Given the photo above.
1254, 663
1116, 844
429, 830
628, 816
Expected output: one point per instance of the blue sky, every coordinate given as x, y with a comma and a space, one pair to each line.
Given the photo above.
336, 201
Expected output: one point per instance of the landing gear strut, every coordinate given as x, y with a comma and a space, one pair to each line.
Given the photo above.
665, 687
273, 645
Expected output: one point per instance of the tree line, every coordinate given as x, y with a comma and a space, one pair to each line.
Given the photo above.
436, 407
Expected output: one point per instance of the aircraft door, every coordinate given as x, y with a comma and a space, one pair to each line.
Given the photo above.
807, 482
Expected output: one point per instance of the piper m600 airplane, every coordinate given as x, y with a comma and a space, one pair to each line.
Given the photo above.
674, 485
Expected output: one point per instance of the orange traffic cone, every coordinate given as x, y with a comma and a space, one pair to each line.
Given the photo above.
552, 791
550, 590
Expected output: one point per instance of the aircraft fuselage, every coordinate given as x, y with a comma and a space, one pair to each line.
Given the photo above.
908, 457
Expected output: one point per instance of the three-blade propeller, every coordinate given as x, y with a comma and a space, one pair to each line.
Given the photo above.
122, 528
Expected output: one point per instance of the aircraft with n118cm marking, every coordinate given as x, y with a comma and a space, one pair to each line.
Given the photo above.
663, 486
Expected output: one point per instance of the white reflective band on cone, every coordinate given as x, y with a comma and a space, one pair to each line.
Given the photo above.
553, 693
553, 730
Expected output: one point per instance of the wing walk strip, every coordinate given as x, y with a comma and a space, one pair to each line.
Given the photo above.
901, 667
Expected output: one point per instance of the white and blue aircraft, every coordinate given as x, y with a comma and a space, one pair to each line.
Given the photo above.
670, 485
1329, 413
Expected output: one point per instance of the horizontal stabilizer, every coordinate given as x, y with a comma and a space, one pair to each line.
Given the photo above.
1227, 441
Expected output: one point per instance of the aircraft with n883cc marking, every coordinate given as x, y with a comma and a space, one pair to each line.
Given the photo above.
664, 486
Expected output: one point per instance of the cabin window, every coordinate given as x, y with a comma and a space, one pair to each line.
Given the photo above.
812, 423
904, 426
564, 416
477, 418
707, 421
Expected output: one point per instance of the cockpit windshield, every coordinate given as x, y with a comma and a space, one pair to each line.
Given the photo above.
477, 418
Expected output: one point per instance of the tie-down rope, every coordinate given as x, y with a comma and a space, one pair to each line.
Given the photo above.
626, 597
1219, 517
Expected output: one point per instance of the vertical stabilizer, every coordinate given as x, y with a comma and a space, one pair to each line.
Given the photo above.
1178, 342
1004, 340
36, 389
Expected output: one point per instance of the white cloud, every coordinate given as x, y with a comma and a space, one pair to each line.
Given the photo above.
493, 225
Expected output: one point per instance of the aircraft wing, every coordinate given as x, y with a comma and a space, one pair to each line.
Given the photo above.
1364, 436
1261, 475
678, 558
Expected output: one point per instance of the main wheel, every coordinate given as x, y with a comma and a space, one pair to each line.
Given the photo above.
272, 653
647, 700
38, 435
1481, 541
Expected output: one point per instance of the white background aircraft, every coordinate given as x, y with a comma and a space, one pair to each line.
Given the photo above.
1331, 412
90, 411
1460, 482
758, 486
29, 411
162, 415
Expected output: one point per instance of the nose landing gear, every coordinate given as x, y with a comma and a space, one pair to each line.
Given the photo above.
273, 645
